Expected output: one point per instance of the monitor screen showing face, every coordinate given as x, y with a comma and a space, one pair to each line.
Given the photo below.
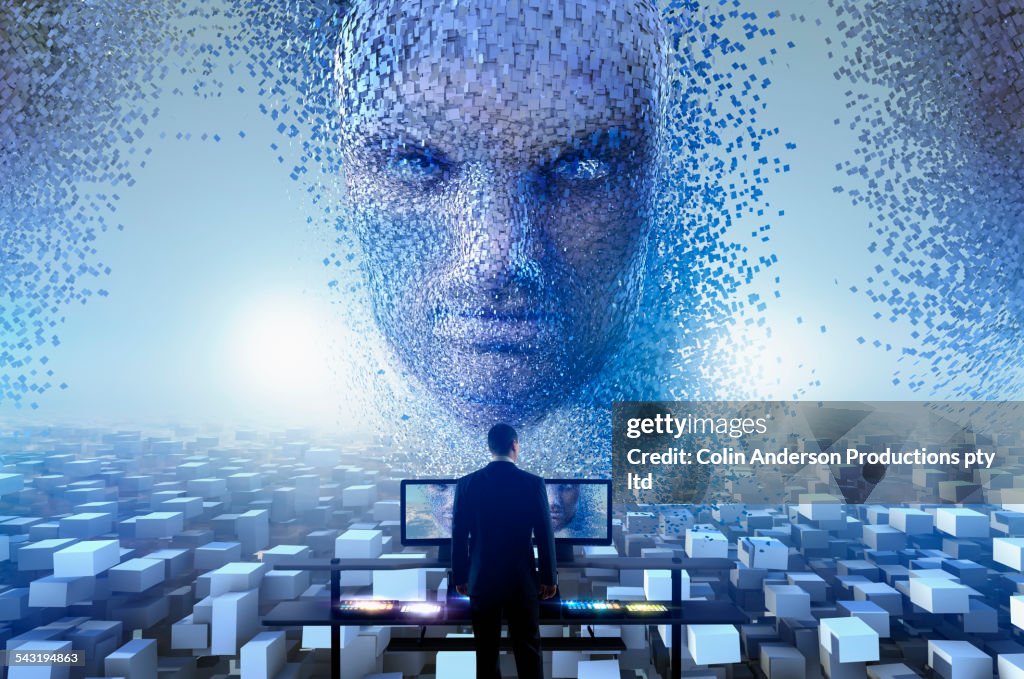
580, 510
428, 510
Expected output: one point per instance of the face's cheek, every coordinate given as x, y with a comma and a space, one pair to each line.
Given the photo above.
601, 233
405, 244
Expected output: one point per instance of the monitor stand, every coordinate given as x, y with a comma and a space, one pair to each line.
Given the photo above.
564, 553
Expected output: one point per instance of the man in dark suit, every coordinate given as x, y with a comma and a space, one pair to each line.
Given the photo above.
499, 510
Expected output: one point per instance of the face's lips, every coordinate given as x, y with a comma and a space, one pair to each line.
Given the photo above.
512, 330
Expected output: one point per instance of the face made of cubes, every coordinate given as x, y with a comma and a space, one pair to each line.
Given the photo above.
442, 505
564, 503
498, 161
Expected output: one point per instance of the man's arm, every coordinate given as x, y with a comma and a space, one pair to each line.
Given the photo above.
545, 543
460, 539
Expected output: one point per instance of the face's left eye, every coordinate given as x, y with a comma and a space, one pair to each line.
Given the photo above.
580, 169
415, 166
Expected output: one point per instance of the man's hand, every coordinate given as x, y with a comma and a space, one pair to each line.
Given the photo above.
548, 591
462, 589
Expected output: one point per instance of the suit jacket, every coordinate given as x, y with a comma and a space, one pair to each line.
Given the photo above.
498, 511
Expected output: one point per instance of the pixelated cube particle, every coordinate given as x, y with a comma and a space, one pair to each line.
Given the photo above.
284, 585
216, 554
191, 507
891, 671
136, 575
848, 640
727, 513
387, 510
597, 669
939, 595
320, 636
11, 483
641, 522
235, 620
658, 585
244, 481
787, 601
263, 656
763, 553
236, 577
958, 660
870, 612
961, 522
14, 604
701, 544
359, 496
135, 660
812, 583
38, 556
159, 524
358, 544
1011, 523
86, 525
279, 554
820, 507
186, 634
84, 559
782, 662
884, 538
1010, 666
713, 644
207, 488
176, 561
1009, 552
1017, 610
407, 584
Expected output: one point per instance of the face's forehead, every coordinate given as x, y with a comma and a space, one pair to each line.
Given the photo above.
498, 76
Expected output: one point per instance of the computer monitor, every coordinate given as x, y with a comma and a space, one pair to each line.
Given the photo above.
581, 511
427, 511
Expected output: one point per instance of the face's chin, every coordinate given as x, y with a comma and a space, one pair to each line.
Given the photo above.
486, 382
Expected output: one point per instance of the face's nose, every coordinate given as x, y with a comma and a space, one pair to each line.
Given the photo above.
492, 218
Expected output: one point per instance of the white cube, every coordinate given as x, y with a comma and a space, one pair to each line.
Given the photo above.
1011, 666
713, 644
939, 595
658, 585
87, 558
910, 521
359, 544
848, 640
598, 669
1009, 552
787, 601
705, 544
958, 660
763, 553
263, 656
1017, 610
961, 523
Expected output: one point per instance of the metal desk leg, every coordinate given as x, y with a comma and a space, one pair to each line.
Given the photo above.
335, 627
677, 629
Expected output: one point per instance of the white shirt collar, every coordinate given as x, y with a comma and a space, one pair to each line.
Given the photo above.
501, 458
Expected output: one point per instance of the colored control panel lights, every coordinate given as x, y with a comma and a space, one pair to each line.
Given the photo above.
645, 607
421, 608
367, 605
591, 606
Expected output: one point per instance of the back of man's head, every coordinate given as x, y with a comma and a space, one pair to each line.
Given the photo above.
500, 439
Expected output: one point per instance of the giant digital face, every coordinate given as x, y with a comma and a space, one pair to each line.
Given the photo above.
498, 160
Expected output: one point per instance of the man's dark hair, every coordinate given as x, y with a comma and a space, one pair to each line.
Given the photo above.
500, 439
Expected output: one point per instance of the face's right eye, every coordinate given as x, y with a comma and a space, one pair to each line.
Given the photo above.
415, 166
